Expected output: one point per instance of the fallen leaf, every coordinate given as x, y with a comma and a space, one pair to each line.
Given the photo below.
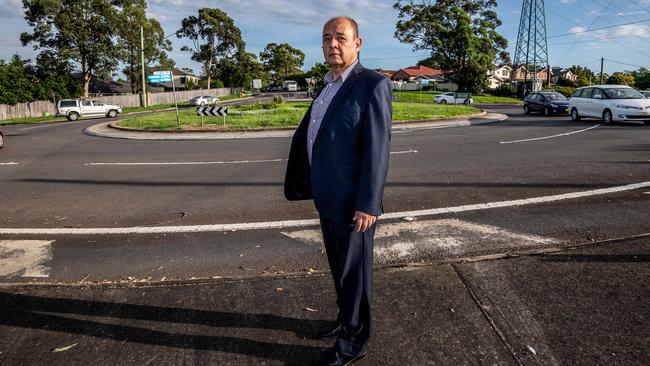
279, 289
63, 349
310, 309
531, 349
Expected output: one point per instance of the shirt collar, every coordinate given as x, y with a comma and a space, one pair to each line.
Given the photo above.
344, 75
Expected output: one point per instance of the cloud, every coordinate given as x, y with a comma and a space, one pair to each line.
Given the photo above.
577, 29
567, 1
632, 30
11, 9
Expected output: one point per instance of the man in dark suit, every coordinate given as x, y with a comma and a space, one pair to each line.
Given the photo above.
339, 157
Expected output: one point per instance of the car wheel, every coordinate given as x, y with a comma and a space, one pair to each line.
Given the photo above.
526, 110
443, 101
2, 140
73, 116
607, 116
202, 104
466, 102
574, 115
547, 112
112, 113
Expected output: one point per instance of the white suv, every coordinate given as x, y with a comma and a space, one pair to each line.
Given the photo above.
610, 103
75, 108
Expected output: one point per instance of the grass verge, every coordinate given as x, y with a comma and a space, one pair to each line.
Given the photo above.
427, 97
278, 116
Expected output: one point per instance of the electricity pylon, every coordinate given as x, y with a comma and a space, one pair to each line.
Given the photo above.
532, 49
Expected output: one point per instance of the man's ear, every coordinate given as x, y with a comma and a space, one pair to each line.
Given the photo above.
358, 42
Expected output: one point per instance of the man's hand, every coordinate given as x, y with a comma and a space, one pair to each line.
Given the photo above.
364, 221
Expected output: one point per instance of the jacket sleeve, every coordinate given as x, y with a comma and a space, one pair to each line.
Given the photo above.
375, 143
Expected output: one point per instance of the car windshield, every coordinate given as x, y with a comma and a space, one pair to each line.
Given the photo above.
554, 96
623, 93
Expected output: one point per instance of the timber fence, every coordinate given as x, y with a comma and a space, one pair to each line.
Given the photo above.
43, 108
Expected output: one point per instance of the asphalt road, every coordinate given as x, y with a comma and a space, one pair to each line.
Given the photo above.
53, 176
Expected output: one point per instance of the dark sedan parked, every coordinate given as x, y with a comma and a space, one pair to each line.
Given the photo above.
547, 102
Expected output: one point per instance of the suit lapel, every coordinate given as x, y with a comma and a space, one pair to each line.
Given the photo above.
336, 101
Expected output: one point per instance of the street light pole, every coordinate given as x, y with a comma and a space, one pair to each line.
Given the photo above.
144, 90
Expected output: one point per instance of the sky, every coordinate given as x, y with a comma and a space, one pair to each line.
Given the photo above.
624, 46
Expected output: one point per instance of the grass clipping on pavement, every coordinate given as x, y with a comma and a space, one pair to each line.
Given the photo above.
277, 115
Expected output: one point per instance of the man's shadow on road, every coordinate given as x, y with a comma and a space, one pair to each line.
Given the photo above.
27, 311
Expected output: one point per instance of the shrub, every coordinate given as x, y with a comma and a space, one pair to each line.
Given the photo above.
504, 90
278, 99
567, 91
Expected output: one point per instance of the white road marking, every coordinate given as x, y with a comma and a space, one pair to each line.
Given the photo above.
548, 137
10, 163
25, 258
404, 240
191, 162
313, 222
41, 126
410, 151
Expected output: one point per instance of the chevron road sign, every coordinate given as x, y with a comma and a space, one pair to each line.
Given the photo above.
212, 111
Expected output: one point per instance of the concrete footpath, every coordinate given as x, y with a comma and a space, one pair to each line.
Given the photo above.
582, 306
111, 130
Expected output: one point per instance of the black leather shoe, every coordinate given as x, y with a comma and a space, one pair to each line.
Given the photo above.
337, 359
331, 332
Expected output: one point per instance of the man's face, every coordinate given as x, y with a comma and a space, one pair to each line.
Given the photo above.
340, 47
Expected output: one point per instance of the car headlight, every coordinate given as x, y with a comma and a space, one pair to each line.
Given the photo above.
626, 107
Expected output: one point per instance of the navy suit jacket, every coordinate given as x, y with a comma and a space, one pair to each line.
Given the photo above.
351, 151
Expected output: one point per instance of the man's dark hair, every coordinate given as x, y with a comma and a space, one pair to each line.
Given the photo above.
355, 26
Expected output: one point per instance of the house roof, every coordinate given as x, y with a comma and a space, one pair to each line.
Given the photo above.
97, 86
387, 73
421, 70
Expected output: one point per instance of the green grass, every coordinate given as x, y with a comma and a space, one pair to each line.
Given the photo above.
284, 115
17, 121
427, 97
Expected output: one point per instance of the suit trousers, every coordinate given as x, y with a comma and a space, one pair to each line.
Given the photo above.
350, 256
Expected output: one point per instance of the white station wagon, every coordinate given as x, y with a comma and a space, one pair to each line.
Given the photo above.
610, 103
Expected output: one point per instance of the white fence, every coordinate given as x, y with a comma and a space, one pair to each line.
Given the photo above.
46, 108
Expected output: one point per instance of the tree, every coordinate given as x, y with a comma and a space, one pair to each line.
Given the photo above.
165, 63
78, 30
317, 72
461, 35
585, 76
282, 60
132, 16
642, 79
21, 82
213, 34
239, 70
621, 78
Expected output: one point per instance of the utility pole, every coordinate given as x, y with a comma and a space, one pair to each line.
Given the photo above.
144, 90
602, 62
532, 49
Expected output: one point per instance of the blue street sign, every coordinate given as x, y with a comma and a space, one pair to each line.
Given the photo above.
159, 78
424, 82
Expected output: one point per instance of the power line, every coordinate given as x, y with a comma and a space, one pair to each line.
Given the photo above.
626, 64
597, 29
